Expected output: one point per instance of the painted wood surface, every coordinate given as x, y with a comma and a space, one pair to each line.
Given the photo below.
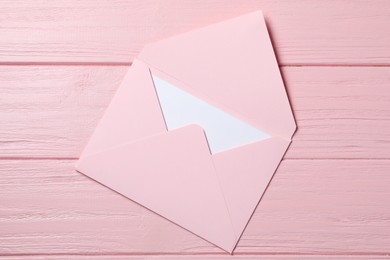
60, 63
196, 257
50, 111
311, 207
303, 32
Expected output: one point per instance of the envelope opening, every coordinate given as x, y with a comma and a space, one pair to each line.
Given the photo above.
223, 131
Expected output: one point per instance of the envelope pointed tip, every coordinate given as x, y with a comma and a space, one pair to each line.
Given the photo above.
177, 166
256, 164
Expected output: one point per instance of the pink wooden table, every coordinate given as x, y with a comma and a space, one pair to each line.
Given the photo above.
60, 63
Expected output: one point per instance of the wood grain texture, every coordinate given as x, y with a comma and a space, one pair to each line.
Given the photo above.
329, 198
50, 111
196, 257
303, 32
311, 207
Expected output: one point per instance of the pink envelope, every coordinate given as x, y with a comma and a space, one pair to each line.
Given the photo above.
197, 128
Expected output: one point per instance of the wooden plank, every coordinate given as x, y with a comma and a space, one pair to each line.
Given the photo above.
50, 111
311, 207
194, 257
303, 32
340, 112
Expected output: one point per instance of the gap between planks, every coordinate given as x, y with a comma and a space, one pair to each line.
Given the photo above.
211, 256
286, 159
129, 64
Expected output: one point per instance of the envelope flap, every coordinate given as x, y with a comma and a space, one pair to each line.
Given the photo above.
172, 174
232, 63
